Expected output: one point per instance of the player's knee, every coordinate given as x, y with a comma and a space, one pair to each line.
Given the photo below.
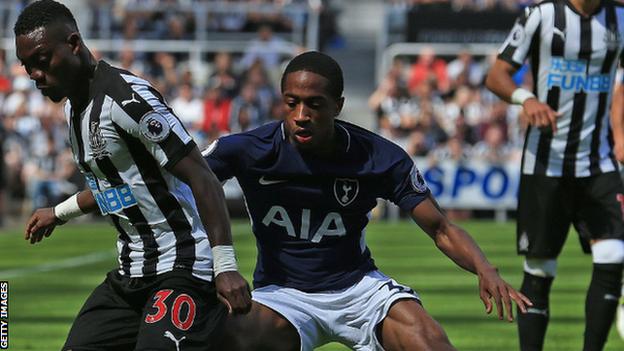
609, 251
540, 267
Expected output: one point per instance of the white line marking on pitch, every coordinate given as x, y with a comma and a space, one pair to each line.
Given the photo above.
68, 263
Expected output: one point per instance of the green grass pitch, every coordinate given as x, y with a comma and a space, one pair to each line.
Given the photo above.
50, 281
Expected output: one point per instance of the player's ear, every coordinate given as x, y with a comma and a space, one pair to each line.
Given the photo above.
339, 105
74, 40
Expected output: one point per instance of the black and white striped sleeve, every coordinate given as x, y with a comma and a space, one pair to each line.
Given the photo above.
516, 47
151, 121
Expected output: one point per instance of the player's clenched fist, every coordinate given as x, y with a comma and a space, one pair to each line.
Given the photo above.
233, 291
41, 224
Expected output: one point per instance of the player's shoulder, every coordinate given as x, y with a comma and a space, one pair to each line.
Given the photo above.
263, 134
617, 3
381, 150
253, 142
118, 84
536, 8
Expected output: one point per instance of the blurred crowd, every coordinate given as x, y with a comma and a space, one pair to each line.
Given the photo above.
440, 108
467, 5
230, 92
433, 106
237, 94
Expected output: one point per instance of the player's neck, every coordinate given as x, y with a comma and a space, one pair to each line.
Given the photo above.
585, 7
324, 149
80, 97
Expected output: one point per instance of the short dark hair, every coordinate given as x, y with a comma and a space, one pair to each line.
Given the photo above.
321, 64
41, 14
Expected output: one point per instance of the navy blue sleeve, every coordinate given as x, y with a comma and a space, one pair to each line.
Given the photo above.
223, 158
407, 186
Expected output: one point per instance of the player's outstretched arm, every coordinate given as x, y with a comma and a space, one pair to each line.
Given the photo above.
499, 81
464, 251
231, 286
44, 220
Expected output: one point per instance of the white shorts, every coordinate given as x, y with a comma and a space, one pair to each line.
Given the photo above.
348, 316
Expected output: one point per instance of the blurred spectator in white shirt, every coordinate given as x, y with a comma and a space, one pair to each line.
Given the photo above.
267, 48
187, 107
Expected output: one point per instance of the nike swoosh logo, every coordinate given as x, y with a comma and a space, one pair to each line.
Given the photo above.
263, 181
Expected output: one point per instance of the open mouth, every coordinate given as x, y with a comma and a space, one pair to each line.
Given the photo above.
303, 136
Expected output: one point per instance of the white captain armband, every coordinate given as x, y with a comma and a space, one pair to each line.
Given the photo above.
68, 209
520, 95
224, 259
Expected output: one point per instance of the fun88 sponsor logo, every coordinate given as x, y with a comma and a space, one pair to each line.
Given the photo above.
571, 75
115, 199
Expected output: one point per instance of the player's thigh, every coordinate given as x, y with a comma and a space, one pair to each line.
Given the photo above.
408, 326
262, 329
545, 209
600, 213
106, 321
182, 313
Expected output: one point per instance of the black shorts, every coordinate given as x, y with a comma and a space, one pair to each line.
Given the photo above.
171, 311
547, 206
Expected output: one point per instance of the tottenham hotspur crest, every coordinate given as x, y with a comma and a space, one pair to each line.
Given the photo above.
346, 190
97, 142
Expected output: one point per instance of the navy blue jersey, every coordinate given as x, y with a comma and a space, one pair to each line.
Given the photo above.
309, 214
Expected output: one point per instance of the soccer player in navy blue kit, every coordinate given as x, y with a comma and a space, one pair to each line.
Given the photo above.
310, 183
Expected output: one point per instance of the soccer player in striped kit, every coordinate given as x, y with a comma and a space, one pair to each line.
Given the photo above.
569, 164
146, 174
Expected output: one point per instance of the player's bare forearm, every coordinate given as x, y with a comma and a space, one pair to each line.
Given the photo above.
452, 240
464, 251
209, 197
86, 201
232, 288
43, 221
460, 247
499, 79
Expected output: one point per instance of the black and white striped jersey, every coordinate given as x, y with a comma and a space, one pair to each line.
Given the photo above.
125, 142
573, 60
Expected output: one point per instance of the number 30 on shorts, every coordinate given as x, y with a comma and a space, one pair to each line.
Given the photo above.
176, 309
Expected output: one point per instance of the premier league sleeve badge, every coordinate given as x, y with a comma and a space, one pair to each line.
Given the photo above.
154, 127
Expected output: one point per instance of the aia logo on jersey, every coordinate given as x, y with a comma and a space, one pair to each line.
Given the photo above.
97, 142
346, 190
